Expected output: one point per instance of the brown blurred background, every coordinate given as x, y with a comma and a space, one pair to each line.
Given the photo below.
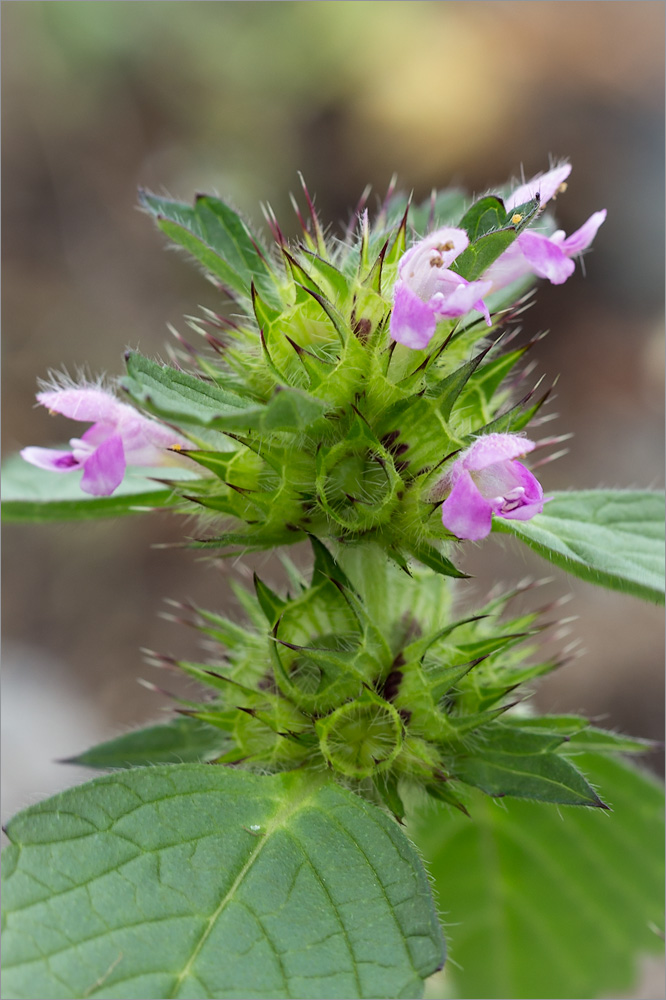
236, 97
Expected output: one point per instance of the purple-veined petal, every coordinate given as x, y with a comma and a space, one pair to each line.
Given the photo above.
413, 322
545, 185
50, 459
103, 471
465, 512
582, 238
497, 482
546, 258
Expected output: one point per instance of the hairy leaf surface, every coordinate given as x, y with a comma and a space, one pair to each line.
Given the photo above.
194, 881
611, 537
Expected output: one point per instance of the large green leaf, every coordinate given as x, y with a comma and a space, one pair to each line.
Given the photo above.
611, 537
32, 494
546, 902
200, 882
182, 740
219, 239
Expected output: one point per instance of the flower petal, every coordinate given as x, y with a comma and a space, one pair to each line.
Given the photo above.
413, 322
465, 513
49, 458
87, 404
103, 472
545, 185
582, 238
420, 268
462, 297
509, 267
546, 258
529, 482
145, 440
493, 448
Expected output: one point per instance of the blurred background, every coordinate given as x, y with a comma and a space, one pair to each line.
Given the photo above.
235, 98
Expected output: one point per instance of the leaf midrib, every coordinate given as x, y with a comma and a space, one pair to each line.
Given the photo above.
278, 821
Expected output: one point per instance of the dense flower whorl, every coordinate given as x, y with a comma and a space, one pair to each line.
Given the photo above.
119, 436
427, 290
486, 480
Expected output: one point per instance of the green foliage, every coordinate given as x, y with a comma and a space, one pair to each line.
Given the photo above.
356, 673
544, 902
491, 231
179, 741
545, 776
308, 369
361, 687
611, 537
193, 881
176, 396
218, 238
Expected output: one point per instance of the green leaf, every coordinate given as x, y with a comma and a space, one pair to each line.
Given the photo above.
595, 740
544, 902
579, 735
179, 741
545, 777
290, 410
510, 738
176, 396
484, 216
34, 495
198, 881
611, 537
219, 239
491, 231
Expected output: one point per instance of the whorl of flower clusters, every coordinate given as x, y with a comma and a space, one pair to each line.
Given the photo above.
380, 696
354, 384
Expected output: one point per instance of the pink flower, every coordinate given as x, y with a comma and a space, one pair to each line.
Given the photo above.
426, 290
548, 257
119, 436
486, 480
